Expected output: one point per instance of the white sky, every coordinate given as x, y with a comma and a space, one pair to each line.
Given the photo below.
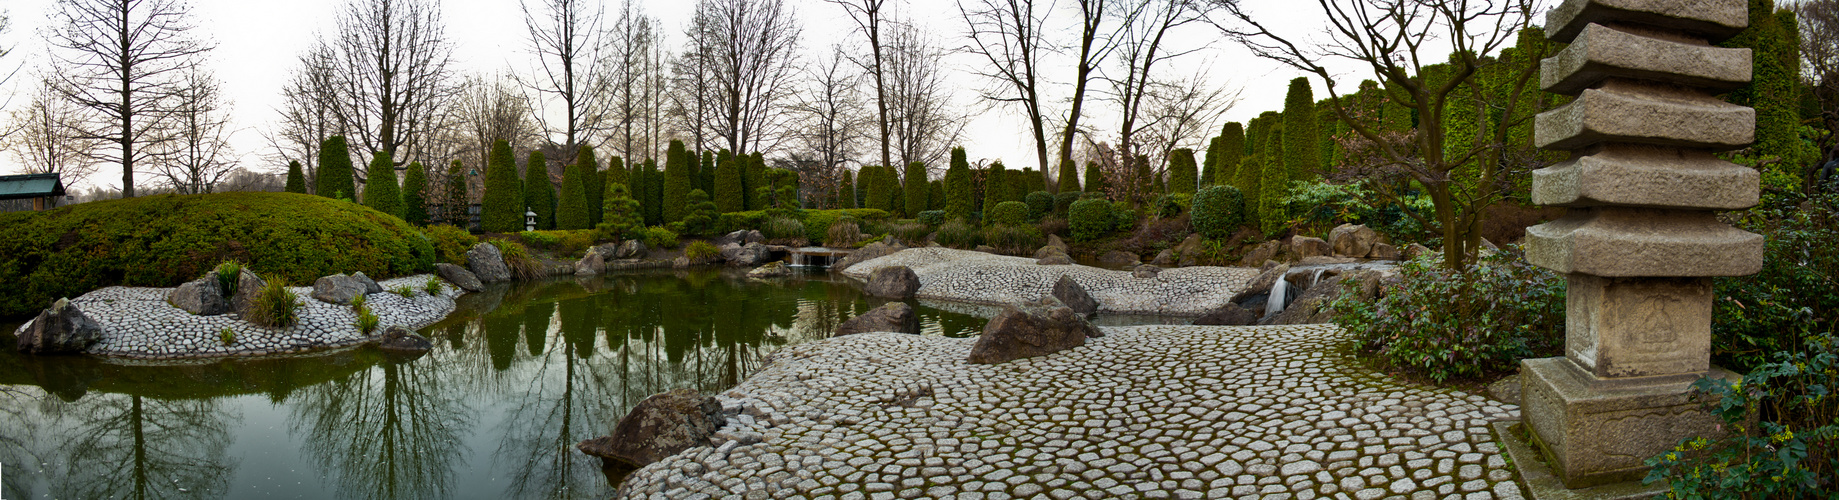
258, 42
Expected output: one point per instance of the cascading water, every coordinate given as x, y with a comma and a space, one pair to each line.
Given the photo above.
1279, 291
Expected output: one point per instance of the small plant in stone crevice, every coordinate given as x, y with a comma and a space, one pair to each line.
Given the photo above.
518, 259
432, 287
274, 305
357, 303
1793, 449
405, 291
367, 321
227, 276
228, 336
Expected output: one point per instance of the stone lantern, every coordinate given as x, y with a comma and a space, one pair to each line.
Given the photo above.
1641, 241
529, 220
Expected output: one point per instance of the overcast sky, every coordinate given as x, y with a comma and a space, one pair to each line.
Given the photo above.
258, 42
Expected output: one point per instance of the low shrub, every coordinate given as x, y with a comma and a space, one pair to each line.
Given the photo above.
227, 336
1793, 452
367, 321
1217, 211
701, 216
783, 229
701, 250
817, 222
1013, 240
1053, 225
1063, 202
1445, 323
843, 233
658, 237
1090, 219
1040, 204
228, 274
405, 291
450, 243
1008, 213
432, 287
1796, 291
539, 239
932, 218
275, 306
1124, 217
958, 234
1172, 204
910, 233
563, 242
166, 240
519, 260
357, 303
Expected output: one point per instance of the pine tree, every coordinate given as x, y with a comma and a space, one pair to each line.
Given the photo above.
1302, 150
755, 175
935, 195
654, 193
1142, 184
846, 193
381, 192
705, 176
995, 186
595, 185
539, 192
916, 185
572, 206
458, 199
334, 177
958, 202
678, 163
617, 174
1069, 177
1210, 166
296, 180
621, 217
502, 210
1273, 184
1182, 175
415, 195
729, 194
1095, 178
1232, 149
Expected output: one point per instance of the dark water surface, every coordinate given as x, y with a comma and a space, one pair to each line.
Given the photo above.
518, 375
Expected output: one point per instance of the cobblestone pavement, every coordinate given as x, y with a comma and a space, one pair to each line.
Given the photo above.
977, 277
138, 323
1144, 412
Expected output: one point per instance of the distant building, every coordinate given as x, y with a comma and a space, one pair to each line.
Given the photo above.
45, 190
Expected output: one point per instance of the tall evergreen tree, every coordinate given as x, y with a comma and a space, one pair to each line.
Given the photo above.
296, 180
1302, 149
730, 193
571, 206
1069, 177
415, 195
622, 215
457, 199
1095, 178
617, 174
502, 210
846, 193
594, 185
935, 195
678, 166
381, 192
1143, 181
1232, 149
1274, 183
648, 182
995, 186
539, 192
1773, 39
334, 177
958, 201
705, 176
1182, 174
916, 187
756, 179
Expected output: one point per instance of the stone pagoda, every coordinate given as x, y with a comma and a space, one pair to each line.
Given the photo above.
1641, 242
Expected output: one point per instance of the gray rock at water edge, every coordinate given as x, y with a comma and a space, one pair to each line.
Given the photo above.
631, 249
681, 262
735, 238
61, 329
1055, 259
1165, 258
1054, 240
1262, 283
1049, 250
893, 282
1382, 251
660, 426
1029, 329
337, 289
987, 249
1263, 252
397, 339
370, 285
1146, 271
1324, 260
1228, 315
1309, 246
1311, 307
1352, 240
749, 255
770, 270
248, 286
1119, 258
459, 277
591, 265
487, 263
895, 317
754, 236
870, 251
202, 296
1189, 251
1069, 293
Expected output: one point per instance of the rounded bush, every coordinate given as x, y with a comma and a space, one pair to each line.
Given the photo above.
1040, 204
450, 243
958, 234
1173, 204
1090, 219
658, 237
1063, 202
1123, 217
165, 240
932, 218
1009, 213
1218, 211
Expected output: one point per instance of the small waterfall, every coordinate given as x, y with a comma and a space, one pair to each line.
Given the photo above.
1279, 290
1317, 279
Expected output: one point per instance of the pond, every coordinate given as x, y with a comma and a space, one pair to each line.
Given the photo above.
518, 375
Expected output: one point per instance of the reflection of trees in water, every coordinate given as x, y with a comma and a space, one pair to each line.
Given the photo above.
390, 432
134, 447
26, 419
563, 402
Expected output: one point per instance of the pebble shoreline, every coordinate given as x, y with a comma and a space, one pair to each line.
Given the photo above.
138, 323
1144, 412
983, 278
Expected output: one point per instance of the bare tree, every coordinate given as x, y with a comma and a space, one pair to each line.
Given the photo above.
6, 23
635, 39
391, 59
825, 138
566, 36
1008, 36
306, 112
1141, 47
918, 100
243, 180
121, 61
868, 17
490, 110
1178, 113
198, 152
747, 52
1399, 41
45, 138
1094, 49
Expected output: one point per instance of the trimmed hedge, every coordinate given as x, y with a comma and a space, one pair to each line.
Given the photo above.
1008, 213
1218, 211
165, 240
1090, 219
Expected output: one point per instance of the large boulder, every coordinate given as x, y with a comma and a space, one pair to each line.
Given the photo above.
370, 285
399, 340
487, 263
736, 238
459, 277
1262, 284
660, 426
337, 289
1165, 258
1352, 240
1414, 250
870, 251
771, 270
1029, 329
893, 282
631, 249
1382, 251
1146, 272
248, 286
895, 317
1119, 258
1054, 259
591, 265
62, 329
1309, 246
1069, 292
1054, 240
1228, 315
202, 296
749, 255
1311, 306
1047, 250
1258, 254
